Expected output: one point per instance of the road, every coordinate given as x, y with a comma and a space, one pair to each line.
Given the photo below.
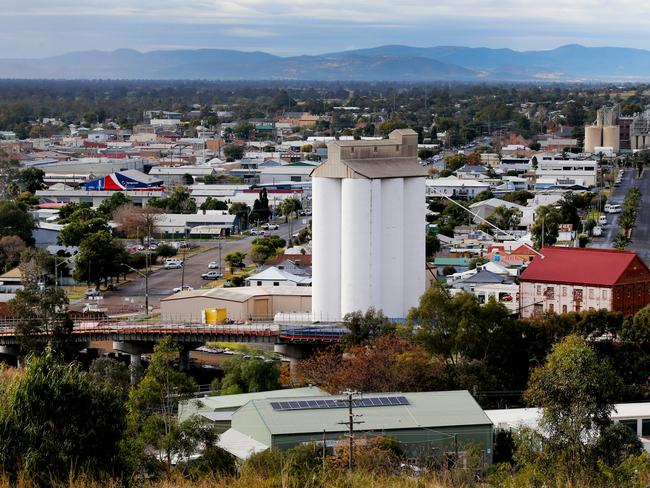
641, 232
130, 296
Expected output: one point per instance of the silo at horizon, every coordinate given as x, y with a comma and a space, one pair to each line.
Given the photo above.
368, 228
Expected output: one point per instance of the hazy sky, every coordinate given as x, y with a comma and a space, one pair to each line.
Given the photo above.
36, 28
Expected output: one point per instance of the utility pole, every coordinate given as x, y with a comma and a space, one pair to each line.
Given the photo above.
350, 423
324, 446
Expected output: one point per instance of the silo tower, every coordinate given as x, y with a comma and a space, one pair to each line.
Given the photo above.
368, 228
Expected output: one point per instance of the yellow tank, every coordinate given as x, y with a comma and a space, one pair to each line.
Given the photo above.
215, 316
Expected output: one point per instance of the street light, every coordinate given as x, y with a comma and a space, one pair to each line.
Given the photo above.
145, 275
56, 267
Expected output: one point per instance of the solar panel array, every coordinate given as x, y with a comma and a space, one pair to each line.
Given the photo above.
340, 403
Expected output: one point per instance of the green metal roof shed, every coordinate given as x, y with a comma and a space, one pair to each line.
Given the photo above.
427, 421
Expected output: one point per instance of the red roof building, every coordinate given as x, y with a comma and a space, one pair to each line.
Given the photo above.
569, 279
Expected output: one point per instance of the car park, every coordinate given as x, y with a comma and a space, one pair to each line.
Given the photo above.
211, 275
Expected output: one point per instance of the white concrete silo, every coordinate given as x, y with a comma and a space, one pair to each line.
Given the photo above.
374, 254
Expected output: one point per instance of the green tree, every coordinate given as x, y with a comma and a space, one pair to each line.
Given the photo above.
109, 206
290, 206
213, 204
188, 179
546, 228
504, 218
576, 389
77, 230
432, 244
165, 251
14, 221
267, 247
452, 163
31, 180
241, 210
249, 376
235, 258
365, 326
100, 257
180, 201
233, 152
55, 422
154, 404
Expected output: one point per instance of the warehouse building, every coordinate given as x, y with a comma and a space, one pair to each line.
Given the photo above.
425, 424
241, 304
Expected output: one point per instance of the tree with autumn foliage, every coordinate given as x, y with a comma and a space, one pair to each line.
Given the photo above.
385, 363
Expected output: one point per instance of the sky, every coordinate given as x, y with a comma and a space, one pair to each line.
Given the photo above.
41, 28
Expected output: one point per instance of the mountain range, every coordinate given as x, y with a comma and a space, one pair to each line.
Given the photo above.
385, 63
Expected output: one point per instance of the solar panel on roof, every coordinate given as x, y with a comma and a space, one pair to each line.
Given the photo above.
340, 403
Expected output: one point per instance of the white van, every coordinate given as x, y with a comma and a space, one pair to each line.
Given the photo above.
613, 208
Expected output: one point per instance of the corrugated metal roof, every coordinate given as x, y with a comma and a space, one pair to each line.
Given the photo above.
386, 167
425, 410
242, 294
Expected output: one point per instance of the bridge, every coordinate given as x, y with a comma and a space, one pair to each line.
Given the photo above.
137, 337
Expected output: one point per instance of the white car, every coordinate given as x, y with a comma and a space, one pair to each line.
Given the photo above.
213, 265
173, 264
211, 275
597, 231
185, 288
92, 293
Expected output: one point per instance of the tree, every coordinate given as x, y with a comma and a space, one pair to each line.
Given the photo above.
261, 211
390, 125
110, 205
575, 389
165, 251
385, 363
213, 204
31, 180
188, 179
266, 247
457, 161
546, 228
364, 326
55, 422
154, 404
138, 222
235, 258
74, 232
100, 257
432, 244
249, 376
180, 201
233, 152
39, 307
504, 218
14, 221
290, 206
241, 210
112, 374
10, 249
9, 173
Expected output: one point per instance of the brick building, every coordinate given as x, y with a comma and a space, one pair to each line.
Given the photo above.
571, 279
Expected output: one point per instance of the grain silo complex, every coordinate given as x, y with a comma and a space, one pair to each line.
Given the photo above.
605, 133
368, 228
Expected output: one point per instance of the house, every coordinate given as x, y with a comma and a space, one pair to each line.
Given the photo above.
441, 423
175, 175
563, 167
569, 279
485, 208
483, 277
273, 276
294, 172
471, 172
203, 223
454, 187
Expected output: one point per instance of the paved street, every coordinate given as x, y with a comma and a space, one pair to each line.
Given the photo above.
641, 233
130, 296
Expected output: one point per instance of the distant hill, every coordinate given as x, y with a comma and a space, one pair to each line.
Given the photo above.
384, 63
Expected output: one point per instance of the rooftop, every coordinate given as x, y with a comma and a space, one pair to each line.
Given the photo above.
589, 266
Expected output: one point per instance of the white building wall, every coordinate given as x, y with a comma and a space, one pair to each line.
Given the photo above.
356, 236
392, 237
326, 248
414, 245
559, 298
376, 278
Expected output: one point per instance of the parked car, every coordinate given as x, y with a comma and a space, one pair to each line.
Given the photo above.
211, 275
255, 232
613, 208
270, 227
228, 284
111, 287
185, 288
173, 264
597, 231
213, 265
92, 293
602, 220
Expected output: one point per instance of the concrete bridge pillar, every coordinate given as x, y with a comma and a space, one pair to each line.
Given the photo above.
294, 353
134, 350
184, 362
